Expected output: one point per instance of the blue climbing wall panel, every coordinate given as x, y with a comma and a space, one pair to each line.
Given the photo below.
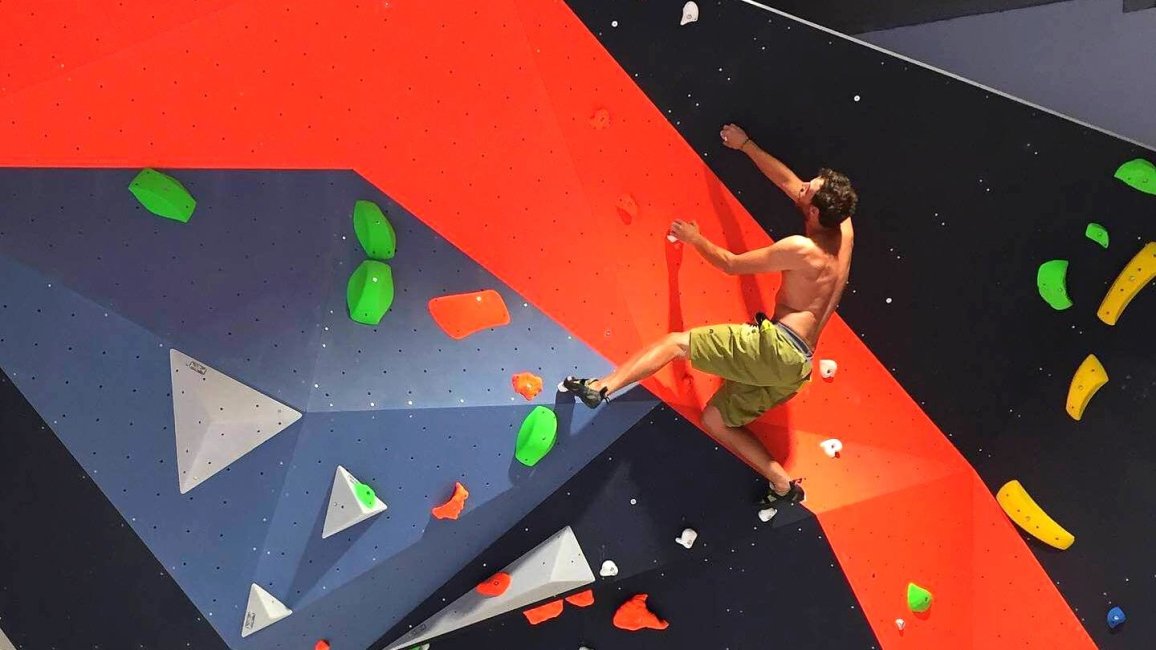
95, 291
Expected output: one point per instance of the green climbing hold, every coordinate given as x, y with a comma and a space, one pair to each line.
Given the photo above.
1052, 279
1139, 174
374, 231
918, 598
162, 195
1097, 233
537, 436
370, 292
365, 495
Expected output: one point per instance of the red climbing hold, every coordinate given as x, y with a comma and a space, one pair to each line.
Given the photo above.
496, 585
541, 613
627, 208
452, 508
321, 645
634, 616
463, 314
527, 384
600, 120
582, 598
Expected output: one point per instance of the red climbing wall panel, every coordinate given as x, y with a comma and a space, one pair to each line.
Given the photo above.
477, 117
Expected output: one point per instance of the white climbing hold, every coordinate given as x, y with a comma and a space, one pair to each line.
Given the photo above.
767, 513
828, 368
609, 569
900, 623
686, 539
262, 611
831, 447
689, 13
345, 506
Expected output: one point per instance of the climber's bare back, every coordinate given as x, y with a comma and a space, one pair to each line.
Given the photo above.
808, 295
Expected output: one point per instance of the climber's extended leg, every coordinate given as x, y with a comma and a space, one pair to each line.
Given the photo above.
643, 364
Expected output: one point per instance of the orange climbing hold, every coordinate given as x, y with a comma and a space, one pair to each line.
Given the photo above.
527, 384
600, 120
542, 613
627, 208
322, 644
582, 598
452, 508
496, 585
634, 616
463, 314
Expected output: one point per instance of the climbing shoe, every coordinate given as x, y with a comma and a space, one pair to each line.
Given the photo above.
581, 388
794, 495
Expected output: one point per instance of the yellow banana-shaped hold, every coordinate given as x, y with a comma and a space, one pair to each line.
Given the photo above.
1089, 378
1139, 272
1020, 507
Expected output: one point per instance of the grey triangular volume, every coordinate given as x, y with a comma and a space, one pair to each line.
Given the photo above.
554, 567
345, 509
218, 419
262, 611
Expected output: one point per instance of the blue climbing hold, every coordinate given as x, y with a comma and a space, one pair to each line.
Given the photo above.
1116, 617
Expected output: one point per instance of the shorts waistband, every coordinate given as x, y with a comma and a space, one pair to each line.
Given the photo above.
796, 340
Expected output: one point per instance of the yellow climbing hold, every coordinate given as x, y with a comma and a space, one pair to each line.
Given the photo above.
1139, 272
1020, 507
1089, 378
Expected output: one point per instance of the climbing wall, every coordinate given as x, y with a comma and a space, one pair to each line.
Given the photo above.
549, 174
106, 369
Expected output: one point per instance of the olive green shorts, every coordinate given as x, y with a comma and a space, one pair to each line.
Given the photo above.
761, 367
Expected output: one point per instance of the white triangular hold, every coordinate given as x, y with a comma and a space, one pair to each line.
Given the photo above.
553, 568
262, 611
345, 508
218, 419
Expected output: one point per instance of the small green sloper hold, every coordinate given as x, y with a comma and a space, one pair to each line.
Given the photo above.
1052, 280
369, 292
1139, 174
162, 195
365, 495
1097, 233
374, 232
537, 436
918, 598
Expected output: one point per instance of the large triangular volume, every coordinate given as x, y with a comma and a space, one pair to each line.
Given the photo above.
218, 419
350, 502
262, 611
553, 568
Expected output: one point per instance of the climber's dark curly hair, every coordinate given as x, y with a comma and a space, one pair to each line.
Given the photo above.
836, 199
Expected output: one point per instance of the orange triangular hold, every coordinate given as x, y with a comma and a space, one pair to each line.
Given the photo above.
463, 314
452, 508
496, 585
633, 616
527, 384
582, 598
541, 613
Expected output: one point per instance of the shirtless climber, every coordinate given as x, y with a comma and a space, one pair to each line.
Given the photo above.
765, 364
